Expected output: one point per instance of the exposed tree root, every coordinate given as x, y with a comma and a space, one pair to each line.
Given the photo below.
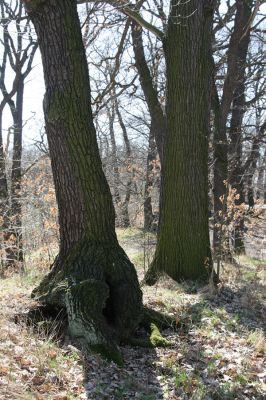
98, 287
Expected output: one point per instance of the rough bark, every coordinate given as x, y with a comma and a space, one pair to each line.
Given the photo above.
92, 277
183, 248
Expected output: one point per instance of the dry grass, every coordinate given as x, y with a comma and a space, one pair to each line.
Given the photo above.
218, 347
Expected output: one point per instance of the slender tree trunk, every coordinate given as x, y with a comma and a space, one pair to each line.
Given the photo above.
220, 171
125, 204
3, 195
236, 170
13, 235
237, 50
92, 277
122, 215
150, 92
261, 178
264, 187
158, 119
250, 165
114, 166
238, 111
151, 158
183, 248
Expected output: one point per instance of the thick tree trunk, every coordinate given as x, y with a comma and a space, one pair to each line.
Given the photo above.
92, 277
183, 249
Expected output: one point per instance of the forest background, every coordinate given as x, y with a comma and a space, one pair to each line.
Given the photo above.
128, 90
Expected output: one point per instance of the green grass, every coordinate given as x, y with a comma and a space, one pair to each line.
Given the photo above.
181, 379
125, 234
250, 261
138, 259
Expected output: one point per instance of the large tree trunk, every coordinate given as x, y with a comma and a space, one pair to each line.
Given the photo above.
92, 277
183, 249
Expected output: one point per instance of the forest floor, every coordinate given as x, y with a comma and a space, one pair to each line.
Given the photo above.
217, 351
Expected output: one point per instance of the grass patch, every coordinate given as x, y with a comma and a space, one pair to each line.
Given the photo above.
138, 259
257, 340
129, 234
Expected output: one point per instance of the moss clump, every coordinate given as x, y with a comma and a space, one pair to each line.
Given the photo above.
156, 339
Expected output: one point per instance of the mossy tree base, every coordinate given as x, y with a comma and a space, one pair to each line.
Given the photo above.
152, 321
98, 287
